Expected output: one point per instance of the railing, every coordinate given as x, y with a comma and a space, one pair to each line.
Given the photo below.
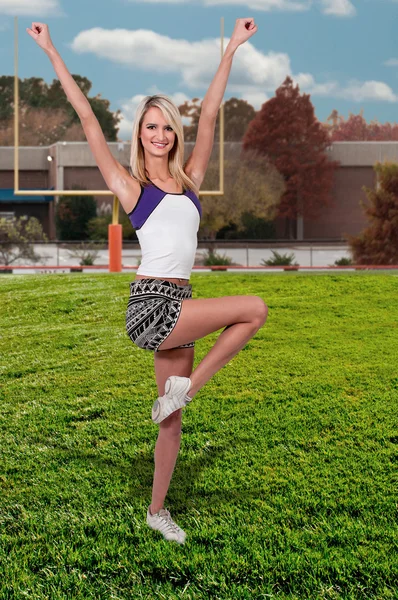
243, 253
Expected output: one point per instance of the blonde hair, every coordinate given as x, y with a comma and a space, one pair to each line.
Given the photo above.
176, 155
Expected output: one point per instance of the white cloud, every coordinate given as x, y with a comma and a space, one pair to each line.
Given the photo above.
256, 99
308, 84
195, 62
129, 107
264, 5
392, 62
36, 8
337, 8
254, 75
368, 91
356, 91
141, 48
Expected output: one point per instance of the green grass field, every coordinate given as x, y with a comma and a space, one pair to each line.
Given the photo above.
286, 478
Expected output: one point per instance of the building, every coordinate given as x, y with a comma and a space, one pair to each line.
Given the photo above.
65, 165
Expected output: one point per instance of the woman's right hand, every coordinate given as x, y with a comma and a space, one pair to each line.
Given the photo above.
41, 35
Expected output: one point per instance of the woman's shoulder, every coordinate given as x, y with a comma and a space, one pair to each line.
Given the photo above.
130, 192
190, 185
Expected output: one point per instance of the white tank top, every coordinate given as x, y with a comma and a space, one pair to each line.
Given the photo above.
167, 227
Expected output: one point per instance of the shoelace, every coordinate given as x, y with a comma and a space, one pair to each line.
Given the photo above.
167, 517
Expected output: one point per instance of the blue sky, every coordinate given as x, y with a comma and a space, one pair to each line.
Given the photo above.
344, 53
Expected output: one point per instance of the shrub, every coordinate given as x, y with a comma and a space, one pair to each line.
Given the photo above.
251, 228
214, 258
17, 236
280, 259
98, 227
87, 253
343, 262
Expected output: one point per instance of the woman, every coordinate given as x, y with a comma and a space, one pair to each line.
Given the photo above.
161, 198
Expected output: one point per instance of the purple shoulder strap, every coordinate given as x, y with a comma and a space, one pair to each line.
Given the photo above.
149, 199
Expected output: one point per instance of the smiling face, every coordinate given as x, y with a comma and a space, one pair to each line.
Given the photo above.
157, 136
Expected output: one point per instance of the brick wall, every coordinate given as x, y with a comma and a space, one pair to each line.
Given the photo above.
345, 215
27, 179
88, 178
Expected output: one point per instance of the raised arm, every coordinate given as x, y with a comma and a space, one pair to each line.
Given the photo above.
197, 163
115, 175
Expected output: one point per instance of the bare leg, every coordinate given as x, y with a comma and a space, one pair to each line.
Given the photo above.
178, 361
241, 315
228, 344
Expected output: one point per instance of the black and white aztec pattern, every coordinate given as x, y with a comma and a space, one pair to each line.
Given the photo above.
152, 311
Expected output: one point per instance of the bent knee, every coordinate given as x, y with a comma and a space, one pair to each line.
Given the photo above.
260, 311
172, 424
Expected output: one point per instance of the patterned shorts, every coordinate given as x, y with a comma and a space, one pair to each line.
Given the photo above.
153, 310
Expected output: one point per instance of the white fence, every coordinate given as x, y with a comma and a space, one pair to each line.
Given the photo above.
306, 255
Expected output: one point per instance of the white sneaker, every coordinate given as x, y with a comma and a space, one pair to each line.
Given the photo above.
162, 521
176, 390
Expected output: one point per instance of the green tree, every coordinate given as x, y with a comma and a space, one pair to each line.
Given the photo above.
43, 127
251, 184
237, 115
250, 228
36, 94
98, 227
6, 98
378, 243
72, 216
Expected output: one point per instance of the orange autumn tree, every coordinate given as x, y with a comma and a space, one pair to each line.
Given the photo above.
357, 129
378, 243
286, 131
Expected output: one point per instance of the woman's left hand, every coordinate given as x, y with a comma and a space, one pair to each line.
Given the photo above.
244, 29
